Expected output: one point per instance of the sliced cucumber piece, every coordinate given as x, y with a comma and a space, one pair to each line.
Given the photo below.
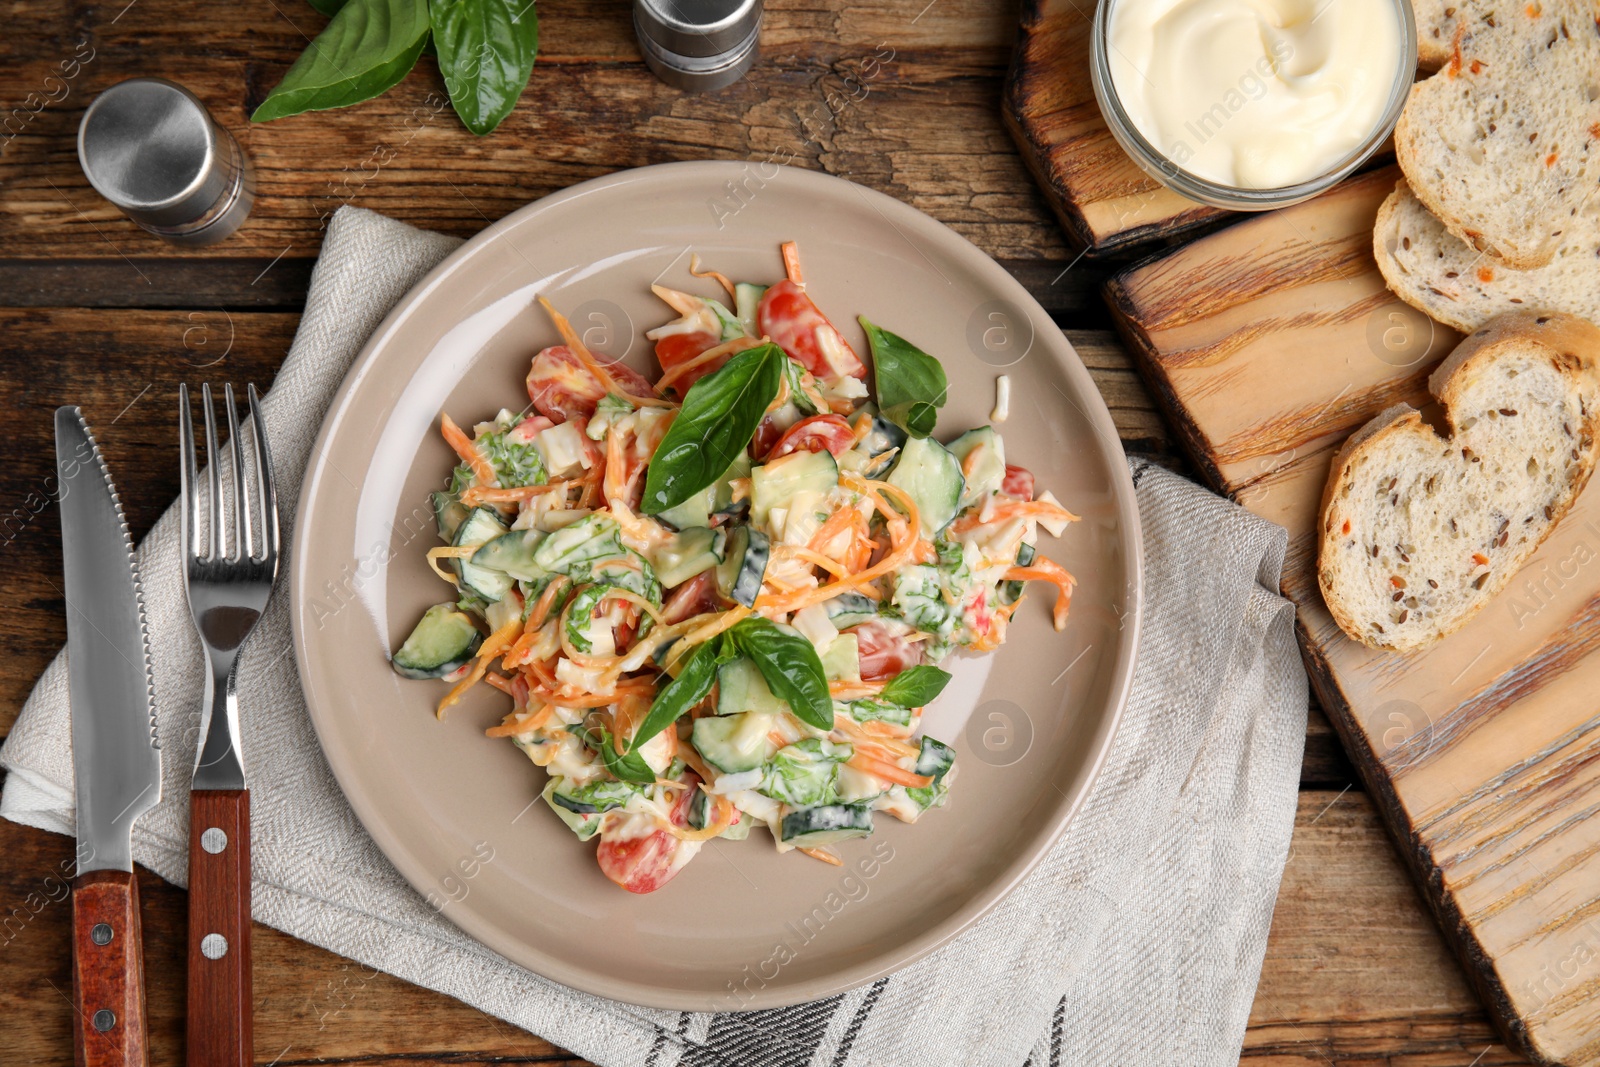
512, 553
928, 473
733, 743
988, 467
868, 710
601, 794
850, 609
841, 660
700, 817
805, 773
741, 571
825, 824
584, 824
740, 687
689, 552
448, 511
443, 640
934, 761
714, 499
481, 526
746, 297
773, 485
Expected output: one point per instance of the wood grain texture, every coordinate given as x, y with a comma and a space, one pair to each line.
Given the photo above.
220, 1001
108, 1001
1104, 201
1390, 994
1268, 343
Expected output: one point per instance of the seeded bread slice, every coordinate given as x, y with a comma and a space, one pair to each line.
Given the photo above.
1437, 273
1419, 531
1503, 144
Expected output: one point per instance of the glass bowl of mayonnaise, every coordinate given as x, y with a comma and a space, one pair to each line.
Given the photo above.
1252, 104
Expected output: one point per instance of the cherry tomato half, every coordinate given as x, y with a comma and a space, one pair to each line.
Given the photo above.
562, 387
883, 654
788, 316
644, 864
679, 348
695, 596
819, 433
1017, 483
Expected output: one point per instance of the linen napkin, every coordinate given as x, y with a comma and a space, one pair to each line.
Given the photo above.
1138, 940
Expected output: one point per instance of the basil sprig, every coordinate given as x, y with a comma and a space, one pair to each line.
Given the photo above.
915, 687
911, 384
787, 661
719, 416
486, 50
627, 766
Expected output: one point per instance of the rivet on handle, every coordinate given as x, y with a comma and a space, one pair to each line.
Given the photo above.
214, 840
213, 946
101, 934
104, 1019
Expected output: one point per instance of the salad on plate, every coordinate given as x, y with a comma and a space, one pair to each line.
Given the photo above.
721, 599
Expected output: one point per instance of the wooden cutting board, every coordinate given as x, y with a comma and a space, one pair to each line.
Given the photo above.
1105, 202
1268, 342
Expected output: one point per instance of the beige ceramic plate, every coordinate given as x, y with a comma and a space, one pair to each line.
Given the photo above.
741, 926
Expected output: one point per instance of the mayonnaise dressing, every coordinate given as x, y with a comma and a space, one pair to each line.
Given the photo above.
1255, 93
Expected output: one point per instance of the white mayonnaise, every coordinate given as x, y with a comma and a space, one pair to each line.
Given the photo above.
1255, 94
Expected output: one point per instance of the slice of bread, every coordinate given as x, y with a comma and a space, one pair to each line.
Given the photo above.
1419, 531
1437, 273
1503, 144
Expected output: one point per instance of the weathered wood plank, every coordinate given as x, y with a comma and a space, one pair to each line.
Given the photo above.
1104, 201
1269, 342
1355, 972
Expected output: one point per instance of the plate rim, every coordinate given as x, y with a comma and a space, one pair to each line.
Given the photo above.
575, 976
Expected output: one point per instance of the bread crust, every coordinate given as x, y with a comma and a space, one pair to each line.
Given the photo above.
1572, 342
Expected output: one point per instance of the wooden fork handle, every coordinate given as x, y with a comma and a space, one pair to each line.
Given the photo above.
108, 1027
219, 928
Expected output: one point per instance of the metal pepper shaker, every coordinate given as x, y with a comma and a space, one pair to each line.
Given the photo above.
151, 148
698, 45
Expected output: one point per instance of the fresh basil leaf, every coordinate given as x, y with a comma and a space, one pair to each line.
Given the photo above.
790, 666
915, 687
368, 48
627, 766
486, 51
685, 691
719, 416
911, 384
327, 7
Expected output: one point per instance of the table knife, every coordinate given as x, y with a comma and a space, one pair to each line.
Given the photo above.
115, 757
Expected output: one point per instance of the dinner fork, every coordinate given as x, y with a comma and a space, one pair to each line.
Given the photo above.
230, 567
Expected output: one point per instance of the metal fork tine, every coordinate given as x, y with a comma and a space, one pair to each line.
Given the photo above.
218, 546
264, 480
188, 476
243, 542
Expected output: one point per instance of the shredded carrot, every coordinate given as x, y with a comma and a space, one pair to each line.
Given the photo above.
885, 729
514, 726
888, 772
1047, 570
816, 559
480, 494
612, 485
541, 607
891, 748
1014, 509
900, 534
595, 367
593, 700
696, 764
821, 854
493, 644
467, 449
500, 682
791, 262
722, 279
449, 552
840, 521
726, 348
721, 622
854, 690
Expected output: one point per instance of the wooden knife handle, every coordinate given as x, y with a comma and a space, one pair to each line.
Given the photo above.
219, 928
107, 971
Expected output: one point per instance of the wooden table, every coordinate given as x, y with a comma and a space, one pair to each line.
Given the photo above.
901, 96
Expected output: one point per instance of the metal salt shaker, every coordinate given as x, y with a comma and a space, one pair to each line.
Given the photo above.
151, 148
698, 45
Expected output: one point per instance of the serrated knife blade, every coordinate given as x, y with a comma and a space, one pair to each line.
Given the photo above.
114, 752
